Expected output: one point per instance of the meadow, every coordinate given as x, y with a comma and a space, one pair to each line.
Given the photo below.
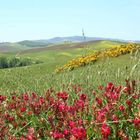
42, 76
96, 101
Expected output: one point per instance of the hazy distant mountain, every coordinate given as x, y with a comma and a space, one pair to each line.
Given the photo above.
71, 39
34, 43
28, 44
46, 42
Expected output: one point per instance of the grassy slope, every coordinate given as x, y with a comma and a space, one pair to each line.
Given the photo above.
61, 53
35, 78
12, 47
96, 45
40, 77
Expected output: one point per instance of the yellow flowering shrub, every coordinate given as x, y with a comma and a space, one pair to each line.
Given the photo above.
90, 58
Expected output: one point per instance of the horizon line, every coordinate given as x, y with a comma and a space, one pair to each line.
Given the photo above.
100, 38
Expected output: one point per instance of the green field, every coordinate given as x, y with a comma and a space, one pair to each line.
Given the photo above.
40, 77
90, 102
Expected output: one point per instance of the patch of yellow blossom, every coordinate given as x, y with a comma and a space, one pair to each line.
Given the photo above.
90, 58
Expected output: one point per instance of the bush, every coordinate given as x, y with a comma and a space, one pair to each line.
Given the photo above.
26, 62
3, 62
15, 62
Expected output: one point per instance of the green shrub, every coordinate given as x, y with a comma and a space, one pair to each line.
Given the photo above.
3, 62
15, 62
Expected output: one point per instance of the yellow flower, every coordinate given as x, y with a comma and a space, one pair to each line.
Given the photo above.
93, 56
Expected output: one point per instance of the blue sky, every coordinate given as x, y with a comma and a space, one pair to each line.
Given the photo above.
42, 19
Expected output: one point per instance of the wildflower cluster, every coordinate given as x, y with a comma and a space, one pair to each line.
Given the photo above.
90, 58
106, 113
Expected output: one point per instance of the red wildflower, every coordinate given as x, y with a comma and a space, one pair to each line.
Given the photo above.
128, 102
115, 118
83, 97
108, 106
6, 115
11, 119
34, 95
114, 95
30, 113
79, 104
136, 121
118, 89
41, 100
31, 130
66, 132
125, 138
61, 107
51, 101
111, 95
22, 109
80, 122
101, 115
57, 135
71, 109
11, 106
50, 119
13, 97
135, 96
25, 96
109, 87
22, 138
23, 123
105, 131
79, 133
30, 135
64, 95
121, 108
127, 90
98, 100
72, 124
2, 98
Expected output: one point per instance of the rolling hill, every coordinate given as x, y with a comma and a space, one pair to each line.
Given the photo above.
11, 47
91, 45
60, 40
44, 43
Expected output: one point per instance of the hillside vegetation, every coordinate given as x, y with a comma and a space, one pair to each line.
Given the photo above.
42, 76
97, 100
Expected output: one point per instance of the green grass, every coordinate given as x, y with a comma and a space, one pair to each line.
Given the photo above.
38, 77
54, 57
60, 56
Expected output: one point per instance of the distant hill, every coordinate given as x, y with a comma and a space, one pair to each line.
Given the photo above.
34, 43
92, 45
11, 47
43, 43
72, 39
46, 42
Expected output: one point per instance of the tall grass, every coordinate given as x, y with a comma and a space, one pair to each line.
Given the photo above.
36, 78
